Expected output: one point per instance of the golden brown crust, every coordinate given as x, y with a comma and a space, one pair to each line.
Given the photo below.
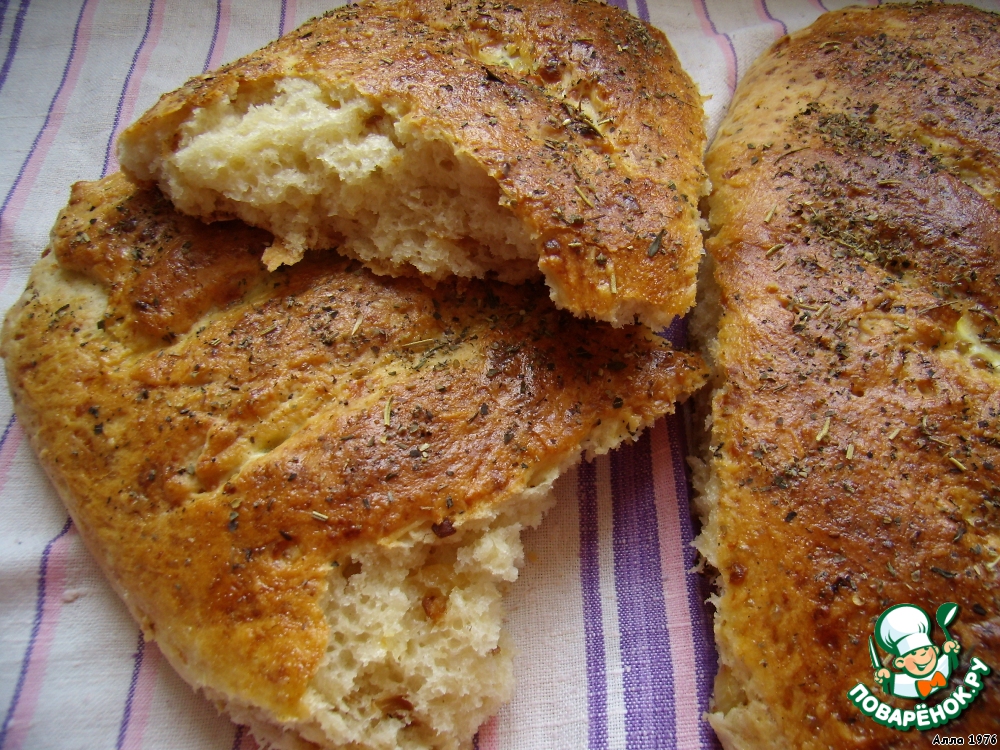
854, 455
220, 449
597, 186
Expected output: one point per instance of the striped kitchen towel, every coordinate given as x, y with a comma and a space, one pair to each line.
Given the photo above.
613, 630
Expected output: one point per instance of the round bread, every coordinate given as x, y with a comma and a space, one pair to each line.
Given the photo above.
853, 460
308, 485
437, 139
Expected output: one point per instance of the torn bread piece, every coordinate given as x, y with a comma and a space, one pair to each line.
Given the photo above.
852, 461
308, 485
439, 139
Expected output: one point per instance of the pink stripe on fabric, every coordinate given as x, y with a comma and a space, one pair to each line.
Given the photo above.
764, 15
219, 44
289, 14
488, 737
247, 742
39, 151
131, 93
725, 45
142, 701
21, 723
672, 555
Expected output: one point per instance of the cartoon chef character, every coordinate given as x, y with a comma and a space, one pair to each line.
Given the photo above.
904, 631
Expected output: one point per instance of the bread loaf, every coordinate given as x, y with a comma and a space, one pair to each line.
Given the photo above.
853, 455
437, 139
308, 485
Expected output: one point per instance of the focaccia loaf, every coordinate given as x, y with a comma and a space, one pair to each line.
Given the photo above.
433, 138
308, 485
853, 460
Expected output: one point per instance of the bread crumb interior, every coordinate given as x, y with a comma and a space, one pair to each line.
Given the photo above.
418, 657
337, 169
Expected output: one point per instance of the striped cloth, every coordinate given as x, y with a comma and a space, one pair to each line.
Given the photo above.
615, 639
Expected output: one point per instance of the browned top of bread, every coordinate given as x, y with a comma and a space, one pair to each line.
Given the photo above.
222, 435
579, 111
855, 451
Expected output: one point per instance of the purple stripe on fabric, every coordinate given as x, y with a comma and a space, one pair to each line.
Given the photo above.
238, 739
593, 624
650, 718
643, 10
127, 713
48, 114
47, 552
3, 12
620, 4
677, 333
35, 626
281, 20
15, 37
7, 429
215, 32
125, 88
767, 12
698, 586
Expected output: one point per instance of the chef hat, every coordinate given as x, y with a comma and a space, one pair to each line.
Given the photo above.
903, 628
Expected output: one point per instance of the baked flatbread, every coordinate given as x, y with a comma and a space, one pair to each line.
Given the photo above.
308, 485
434, 138
854, 455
